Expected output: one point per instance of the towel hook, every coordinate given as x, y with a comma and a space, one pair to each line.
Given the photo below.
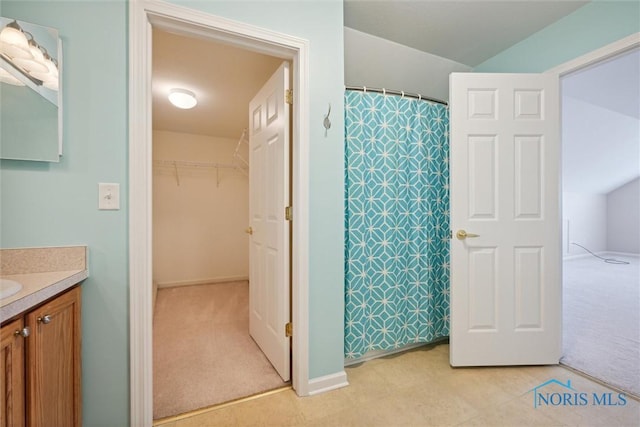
327, 122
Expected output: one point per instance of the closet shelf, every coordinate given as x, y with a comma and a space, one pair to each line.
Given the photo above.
179, 164
187, 164
238, 162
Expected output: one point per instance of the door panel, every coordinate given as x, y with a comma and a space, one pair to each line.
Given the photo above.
12, 386
269, 195
53, 362
506, 281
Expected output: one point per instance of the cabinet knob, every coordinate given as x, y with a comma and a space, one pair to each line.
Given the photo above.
45, 319
24, 332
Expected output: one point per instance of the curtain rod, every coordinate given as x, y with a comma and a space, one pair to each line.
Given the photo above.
395, 92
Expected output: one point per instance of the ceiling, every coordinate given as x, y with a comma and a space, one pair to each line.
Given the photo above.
224, 79
468, 32
601, 125
604, 99
613, 84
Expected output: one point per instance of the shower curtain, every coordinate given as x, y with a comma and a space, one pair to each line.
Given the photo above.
397, 222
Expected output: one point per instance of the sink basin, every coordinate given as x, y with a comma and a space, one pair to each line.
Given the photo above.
9, 288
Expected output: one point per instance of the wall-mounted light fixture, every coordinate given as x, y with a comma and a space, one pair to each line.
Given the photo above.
182, 98
19, 49
6, 77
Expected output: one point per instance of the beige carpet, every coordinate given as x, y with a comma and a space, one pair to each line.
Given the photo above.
202, 351
601, 335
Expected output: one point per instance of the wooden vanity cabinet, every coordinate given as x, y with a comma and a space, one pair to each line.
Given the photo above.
51, 375
12, 381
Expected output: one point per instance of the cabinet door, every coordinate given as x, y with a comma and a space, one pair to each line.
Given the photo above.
12, 375
53, 362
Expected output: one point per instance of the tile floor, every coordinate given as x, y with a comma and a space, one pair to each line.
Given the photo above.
419, 388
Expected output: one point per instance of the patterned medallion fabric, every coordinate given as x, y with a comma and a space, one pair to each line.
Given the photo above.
397, 222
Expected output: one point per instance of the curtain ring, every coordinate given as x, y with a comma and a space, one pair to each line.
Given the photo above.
419, 97
384, 91
402, 94
364, 89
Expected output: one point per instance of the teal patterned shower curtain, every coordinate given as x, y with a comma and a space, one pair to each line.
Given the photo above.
397, 222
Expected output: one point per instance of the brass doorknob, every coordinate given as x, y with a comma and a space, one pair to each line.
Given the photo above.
249, 230
461, 235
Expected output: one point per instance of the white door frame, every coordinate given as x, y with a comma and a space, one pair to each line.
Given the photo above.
143, 15
601, 54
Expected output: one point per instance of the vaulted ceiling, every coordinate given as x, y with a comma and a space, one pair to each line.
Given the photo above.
465, 31
225, 78
601, 125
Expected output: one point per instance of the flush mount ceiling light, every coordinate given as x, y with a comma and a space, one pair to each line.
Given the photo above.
182, 98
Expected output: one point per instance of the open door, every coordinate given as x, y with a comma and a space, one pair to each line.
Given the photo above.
506, 284
269, 300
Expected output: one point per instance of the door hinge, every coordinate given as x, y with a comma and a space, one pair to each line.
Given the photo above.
288, 330
288, 96
288, 213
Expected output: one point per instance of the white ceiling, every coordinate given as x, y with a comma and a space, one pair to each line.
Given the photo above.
224, 79
604, 154
467, 31
601, 125
613, 84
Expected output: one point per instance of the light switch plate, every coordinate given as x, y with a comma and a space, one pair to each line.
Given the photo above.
108, 196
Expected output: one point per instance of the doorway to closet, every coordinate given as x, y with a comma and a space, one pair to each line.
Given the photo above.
203, 353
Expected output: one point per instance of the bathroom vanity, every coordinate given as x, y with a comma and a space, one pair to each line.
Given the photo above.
40, 336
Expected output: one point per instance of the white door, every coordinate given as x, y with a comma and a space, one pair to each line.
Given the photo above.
269, 308
506, 283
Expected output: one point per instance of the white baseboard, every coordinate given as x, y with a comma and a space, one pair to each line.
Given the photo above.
612, 253
579, 256
327, 383
604, 254
202, 281
370, 355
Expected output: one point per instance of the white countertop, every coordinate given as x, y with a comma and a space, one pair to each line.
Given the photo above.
37, 288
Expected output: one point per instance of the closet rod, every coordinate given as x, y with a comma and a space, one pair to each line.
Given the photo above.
396, 92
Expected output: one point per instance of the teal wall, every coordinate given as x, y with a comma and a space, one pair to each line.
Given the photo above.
592, 26
25, 115
46, 204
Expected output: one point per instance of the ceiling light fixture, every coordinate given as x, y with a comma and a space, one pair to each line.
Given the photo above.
182, 98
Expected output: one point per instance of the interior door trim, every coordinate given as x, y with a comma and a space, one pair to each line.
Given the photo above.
143, 15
